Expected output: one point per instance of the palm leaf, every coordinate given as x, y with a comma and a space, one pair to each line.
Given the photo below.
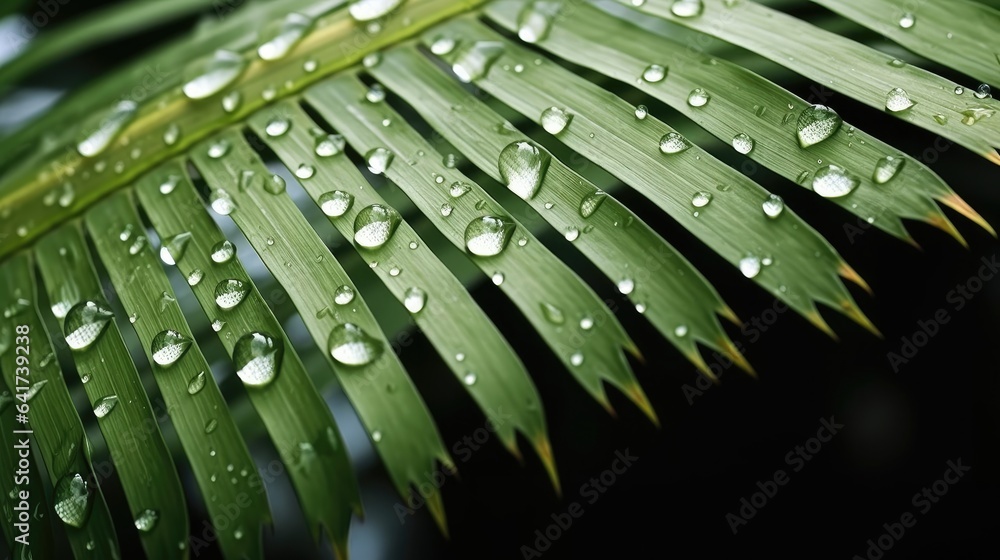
238, 120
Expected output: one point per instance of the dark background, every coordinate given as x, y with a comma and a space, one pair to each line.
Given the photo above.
715, 442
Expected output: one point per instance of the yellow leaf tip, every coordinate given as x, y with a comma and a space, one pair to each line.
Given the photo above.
848, 273
958, 204
544, 449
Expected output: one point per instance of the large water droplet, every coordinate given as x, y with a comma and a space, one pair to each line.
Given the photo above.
742, 143
97, 140
351, 346
282, 36
374, 226
229, 293
222, 202
834, 181
817, 123
487, 236
698, 98
897, 100
105, 405
146, 520
85, 322
474, 61
335, 203
773, 206
173, 248
673, 143
750, 266
535, 20
591, 203
522, 166
414, 300
379, 160
686, 8
367, 10
887, 168
168, 346
217, 73
257, 357
654, 73
73, 500
554, 120
343, 295
223, 252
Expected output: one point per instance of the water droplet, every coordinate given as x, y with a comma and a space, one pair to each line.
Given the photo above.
681, 331
335, 203
641, 112
941, 119
522, 167
414, 300
376, 436
222, 203
673, 143
329, 145
554, 120
85, 322
833, 181
442, 45
96, 141
743, 143
626, 285
219, 148
487, 236
497, 278
959, 90
654, 73
698, 98
343, 295
458, 189
368, 10
169, 184
897, 63
197, 383
169, 346
469, 379
395, 271
701, 199
73, 500
217, 73
686, 8
171, 134
571, 234
276, 185
281, 37
897, 100
975, 114
211, 425
351, 346
817, 123
750, 266
379, 160
552, 313
773, 206
907, 20
232, 101
173, 248
375, 94
229, 293
146, 520
982, 92
310, 65
887, 168
218, 324
591, 203
305, 171
223, 252
257, 357
277, 127
374, 226
474, 61
576, 359
535, 20
105, 405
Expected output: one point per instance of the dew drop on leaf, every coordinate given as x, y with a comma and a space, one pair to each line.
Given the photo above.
374, 226
215, 74
522, 167
352, 346
85, 323
834, 181
487, 236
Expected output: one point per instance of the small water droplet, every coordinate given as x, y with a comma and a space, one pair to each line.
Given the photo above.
223, 252
73, 500
379, 160
351, 346
173, 248
328, 145
474, 60
887, 168
552, 313
211, 425
222, 202
368, 10
571, 234
687, 8
742, 143
105, 405
232, 101
146, 520
591, 203
257, 357
833, 181
487, 236
97, 140
641, 112
230, 293
171, 134
414, 300
983, 92
554, 120
218, 324
654, 73
576, 359
375, 94
701, 199
681, 331
626, 285
343, 295
376, 436
277, 126
282, 36
335, 203
197, 383
497, 278
907, 20
698, 98
816, 123
169, 184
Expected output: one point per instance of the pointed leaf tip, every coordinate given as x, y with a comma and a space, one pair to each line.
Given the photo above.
819, 322
940, 221
854, 312
848, 273
638, 396
728, 313
737, 357
958, 204
544, 449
